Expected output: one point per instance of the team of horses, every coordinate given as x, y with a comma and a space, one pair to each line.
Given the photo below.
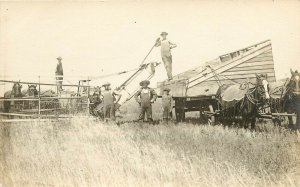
243, 103
31, 92
237, 102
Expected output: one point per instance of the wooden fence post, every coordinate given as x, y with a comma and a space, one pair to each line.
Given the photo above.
39, 109
88, 99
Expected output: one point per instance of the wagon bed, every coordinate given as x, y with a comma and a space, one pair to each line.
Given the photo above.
238, 66
195, 89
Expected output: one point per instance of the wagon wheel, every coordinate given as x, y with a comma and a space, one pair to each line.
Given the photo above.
209, 122
180, 114
276, 122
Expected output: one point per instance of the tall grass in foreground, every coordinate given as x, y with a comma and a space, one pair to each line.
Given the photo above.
83, 152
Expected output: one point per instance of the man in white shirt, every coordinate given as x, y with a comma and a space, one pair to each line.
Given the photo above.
166, 46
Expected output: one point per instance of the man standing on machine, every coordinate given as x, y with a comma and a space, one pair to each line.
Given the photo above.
166, 46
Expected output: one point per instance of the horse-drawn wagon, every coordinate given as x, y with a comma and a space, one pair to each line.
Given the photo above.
203, 88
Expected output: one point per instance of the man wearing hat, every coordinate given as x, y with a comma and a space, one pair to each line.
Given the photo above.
109, 99
145, 97
166, 46
166, 104
59, 74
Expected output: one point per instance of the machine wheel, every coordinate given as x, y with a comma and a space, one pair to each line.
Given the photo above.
209, 122
277, 122
180, 114
179, 109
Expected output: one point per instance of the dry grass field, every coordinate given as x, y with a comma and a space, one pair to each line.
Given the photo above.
86, 152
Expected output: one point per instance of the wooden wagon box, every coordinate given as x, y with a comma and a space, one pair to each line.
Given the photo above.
235, 67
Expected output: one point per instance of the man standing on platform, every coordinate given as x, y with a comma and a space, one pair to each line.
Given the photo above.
59, 72
166, 46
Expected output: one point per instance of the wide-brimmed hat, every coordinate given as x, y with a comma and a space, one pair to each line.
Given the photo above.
164, 33
145, 82
59, 58
106, 84
167, 89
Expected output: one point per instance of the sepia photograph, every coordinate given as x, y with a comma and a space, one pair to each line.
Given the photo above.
170, 93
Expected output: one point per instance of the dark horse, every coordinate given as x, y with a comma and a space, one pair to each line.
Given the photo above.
95, 99
16, 92
291, 98
242, 102
31, 92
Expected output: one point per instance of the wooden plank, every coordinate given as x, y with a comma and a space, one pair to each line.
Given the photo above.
278, 114
228, 65
57, 118
36, 99
251, 79
254, 67
268, 54
15, 114
46, 84
261, 59
247, 72
241, 79
42, 110
257, 44
28, 120
248, 76
249, 64
178, 88
267, 51
32, 115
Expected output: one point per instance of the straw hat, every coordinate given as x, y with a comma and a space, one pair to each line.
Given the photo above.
145, 82
106, 84
164, 33
167, 89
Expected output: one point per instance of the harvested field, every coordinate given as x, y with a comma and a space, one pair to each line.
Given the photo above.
86, 152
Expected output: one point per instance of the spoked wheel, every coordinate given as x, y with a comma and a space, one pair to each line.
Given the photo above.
277, 122
180, 114
209, 122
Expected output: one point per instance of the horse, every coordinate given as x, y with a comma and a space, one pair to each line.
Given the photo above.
16, 92
32, 93
291, 98
242, 102
96, 108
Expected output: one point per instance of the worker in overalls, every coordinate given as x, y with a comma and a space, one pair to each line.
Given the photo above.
145, 97
166, 104
166, 46
96, 100
109, 99
59, 74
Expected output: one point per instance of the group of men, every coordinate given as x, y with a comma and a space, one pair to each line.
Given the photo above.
145, 96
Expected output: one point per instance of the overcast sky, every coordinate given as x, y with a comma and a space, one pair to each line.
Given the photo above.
102, 37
